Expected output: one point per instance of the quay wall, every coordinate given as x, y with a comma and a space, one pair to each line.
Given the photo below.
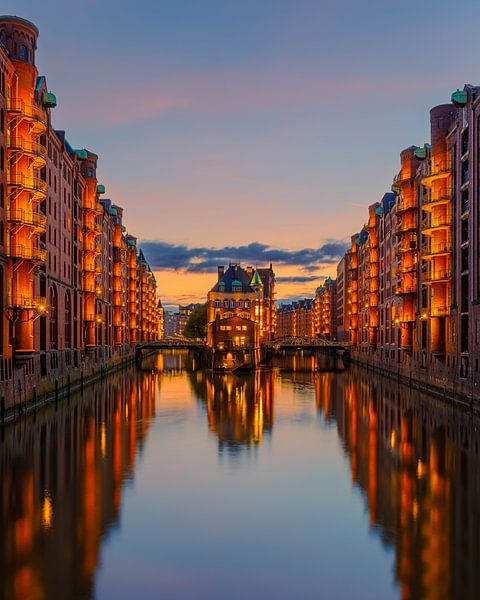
67, 372
448, 386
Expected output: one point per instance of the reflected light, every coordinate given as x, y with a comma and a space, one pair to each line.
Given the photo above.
393, 438
47, 511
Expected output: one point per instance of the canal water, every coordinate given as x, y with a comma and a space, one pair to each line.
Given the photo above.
299, 482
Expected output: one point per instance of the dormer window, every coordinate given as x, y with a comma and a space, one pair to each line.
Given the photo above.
221, 286
23, 53
236, 286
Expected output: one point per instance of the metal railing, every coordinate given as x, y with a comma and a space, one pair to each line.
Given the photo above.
405, 289
434, 222
27, 302
28, 253
27, 182
23, 217
26, 146
437, 276
29, 111
442, 198
437, 248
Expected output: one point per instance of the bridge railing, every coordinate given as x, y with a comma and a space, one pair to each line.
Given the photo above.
305, 341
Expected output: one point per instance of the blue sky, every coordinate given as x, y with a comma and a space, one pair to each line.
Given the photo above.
225, 123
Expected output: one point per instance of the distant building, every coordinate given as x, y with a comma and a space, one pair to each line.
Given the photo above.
241, 313
184, 313
160, 320
296, 319
342, 322
169, 323
325, 313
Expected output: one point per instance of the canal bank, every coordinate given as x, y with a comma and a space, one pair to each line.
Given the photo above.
462, 394
26, 391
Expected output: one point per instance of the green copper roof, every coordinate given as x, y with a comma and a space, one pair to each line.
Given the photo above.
236, 283
113, 211
49, 100
460, 97
100, 188
420, 153
256, 280
82, 154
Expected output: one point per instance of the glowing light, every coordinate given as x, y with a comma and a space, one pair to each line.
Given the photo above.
103, 440
420, 469
393, 439
47, 511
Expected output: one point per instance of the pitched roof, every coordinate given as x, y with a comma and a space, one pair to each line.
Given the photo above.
234, 274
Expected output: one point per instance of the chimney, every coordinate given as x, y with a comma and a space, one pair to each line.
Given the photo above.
249, 270
221, 271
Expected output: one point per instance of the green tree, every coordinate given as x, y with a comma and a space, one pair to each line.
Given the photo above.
196, 326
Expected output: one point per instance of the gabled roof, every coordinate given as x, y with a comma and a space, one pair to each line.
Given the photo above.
234, 274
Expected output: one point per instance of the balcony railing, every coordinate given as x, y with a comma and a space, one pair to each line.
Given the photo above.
27, 253
34, 113
400, 178
405, 318
436, 248
436, 171
439, 222
405, 289
20, 144
33, 184
32, 219
406, 227
441, 198
27, 302
434, 276
403, 269
439, 311
401, 209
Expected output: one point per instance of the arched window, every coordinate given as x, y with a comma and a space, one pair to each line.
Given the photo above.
23, 53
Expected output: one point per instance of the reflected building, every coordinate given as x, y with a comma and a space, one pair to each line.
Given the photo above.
417, 463
62, 476
239, 408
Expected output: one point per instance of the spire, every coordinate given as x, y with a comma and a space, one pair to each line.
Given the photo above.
256, 279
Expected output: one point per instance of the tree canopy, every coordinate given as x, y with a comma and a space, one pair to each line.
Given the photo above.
196, 326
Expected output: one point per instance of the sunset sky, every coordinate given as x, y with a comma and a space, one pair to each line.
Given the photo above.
253, 130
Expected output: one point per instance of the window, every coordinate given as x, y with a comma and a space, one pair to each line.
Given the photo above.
23, 53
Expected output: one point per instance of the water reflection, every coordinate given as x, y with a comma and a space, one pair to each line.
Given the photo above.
239, 409
417, 463
414, 461
61, 476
